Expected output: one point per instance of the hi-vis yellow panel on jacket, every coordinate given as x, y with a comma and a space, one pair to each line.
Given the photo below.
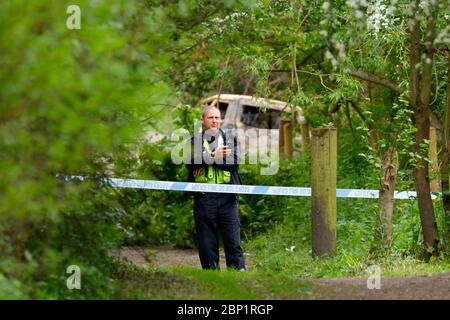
214, 175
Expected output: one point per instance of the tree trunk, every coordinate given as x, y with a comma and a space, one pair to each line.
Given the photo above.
435, 184
445, 158
383, 229
419, 96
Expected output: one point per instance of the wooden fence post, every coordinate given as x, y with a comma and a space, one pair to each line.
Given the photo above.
323, 185
305, 136
285, 138
288, 142
281, 137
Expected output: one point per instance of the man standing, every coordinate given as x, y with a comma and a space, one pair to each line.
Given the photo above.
215, 159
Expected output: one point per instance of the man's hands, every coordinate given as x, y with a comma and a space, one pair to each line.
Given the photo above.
197, 172
218, 156
221, 152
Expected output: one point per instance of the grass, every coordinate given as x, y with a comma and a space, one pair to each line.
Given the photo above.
280, 262
273, 252
195, 284
280, 267
248, 285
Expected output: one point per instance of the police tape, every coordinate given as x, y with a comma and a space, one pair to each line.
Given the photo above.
244, 189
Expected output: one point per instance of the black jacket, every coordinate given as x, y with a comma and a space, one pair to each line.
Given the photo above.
198, 159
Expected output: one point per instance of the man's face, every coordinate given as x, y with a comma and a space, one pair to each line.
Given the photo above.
212, 120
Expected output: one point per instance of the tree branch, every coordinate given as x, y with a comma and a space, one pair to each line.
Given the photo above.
360, 113
393, 86
375, 79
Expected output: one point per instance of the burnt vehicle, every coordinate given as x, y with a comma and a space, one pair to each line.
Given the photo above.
266, 121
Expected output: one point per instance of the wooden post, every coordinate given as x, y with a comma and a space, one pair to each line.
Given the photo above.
305, 136
288, 142
435, 185
281, 137
323, 184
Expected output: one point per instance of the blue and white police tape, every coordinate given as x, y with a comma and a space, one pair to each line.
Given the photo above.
244, 189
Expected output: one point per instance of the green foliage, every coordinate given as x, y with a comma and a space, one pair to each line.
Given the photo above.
84, 238
189, 283
283, 250
69, 100
79, 102
158, 218
260, 213
152, 216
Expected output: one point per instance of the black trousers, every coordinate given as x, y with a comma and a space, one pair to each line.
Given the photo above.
217, 213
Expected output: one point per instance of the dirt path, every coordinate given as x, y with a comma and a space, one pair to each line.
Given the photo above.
160, 256
391, 288
164, 256
435, 287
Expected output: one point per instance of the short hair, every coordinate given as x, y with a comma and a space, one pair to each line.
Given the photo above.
209, 108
